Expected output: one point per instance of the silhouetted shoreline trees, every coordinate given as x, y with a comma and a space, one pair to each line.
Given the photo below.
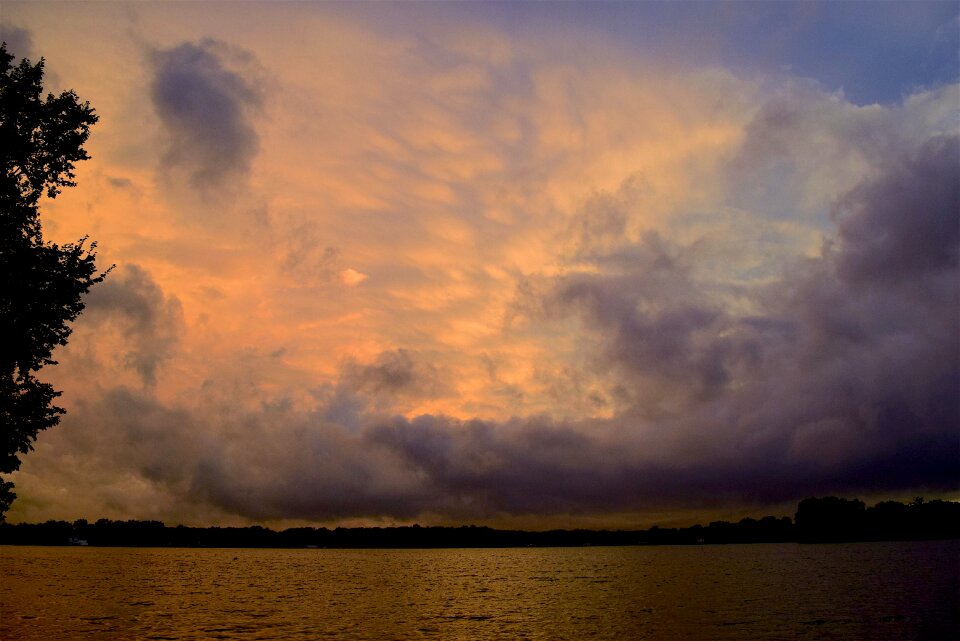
818, 520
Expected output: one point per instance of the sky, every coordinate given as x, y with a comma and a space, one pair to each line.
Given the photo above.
519, 264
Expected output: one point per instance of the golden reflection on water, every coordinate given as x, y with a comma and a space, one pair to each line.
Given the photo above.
860, 591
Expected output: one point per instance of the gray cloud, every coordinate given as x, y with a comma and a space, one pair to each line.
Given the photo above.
876, 353
398, 372
19, 41
842, 379
903, 228
207, 96
655, 317
149, 321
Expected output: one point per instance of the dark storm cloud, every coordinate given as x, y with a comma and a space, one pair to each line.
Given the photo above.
307, 469
876, 350
206, 96
149, 321
481, 468
19, 41
906, 226
844, 380
133, 427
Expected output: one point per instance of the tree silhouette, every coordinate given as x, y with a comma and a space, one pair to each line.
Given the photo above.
830, 518
41, 283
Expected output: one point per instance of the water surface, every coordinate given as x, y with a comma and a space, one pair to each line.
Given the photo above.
870, 591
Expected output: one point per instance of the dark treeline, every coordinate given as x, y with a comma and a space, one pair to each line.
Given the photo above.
818, 520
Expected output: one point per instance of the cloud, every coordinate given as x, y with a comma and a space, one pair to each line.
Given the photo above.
597, 283
659, 323
904, 227
394, 373
842, 378
19, 41
351, 277
149, 322
842, 368
875, 321
207, 97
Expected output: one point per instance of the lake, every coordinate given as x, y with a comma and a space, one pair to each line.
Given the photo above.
868, 591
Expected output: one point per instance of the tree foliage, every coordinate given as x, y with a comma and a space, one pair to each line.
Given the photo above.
41, 283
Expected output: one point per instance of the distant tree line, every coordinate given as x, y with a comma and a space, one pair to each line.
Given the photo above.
832, 519
817, 520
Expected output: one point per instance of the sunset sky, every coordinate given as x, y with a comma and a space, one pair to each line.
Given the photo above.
536, 265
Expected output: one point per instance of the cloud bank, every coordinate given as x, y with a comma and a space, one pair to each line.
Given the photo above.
476, 277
